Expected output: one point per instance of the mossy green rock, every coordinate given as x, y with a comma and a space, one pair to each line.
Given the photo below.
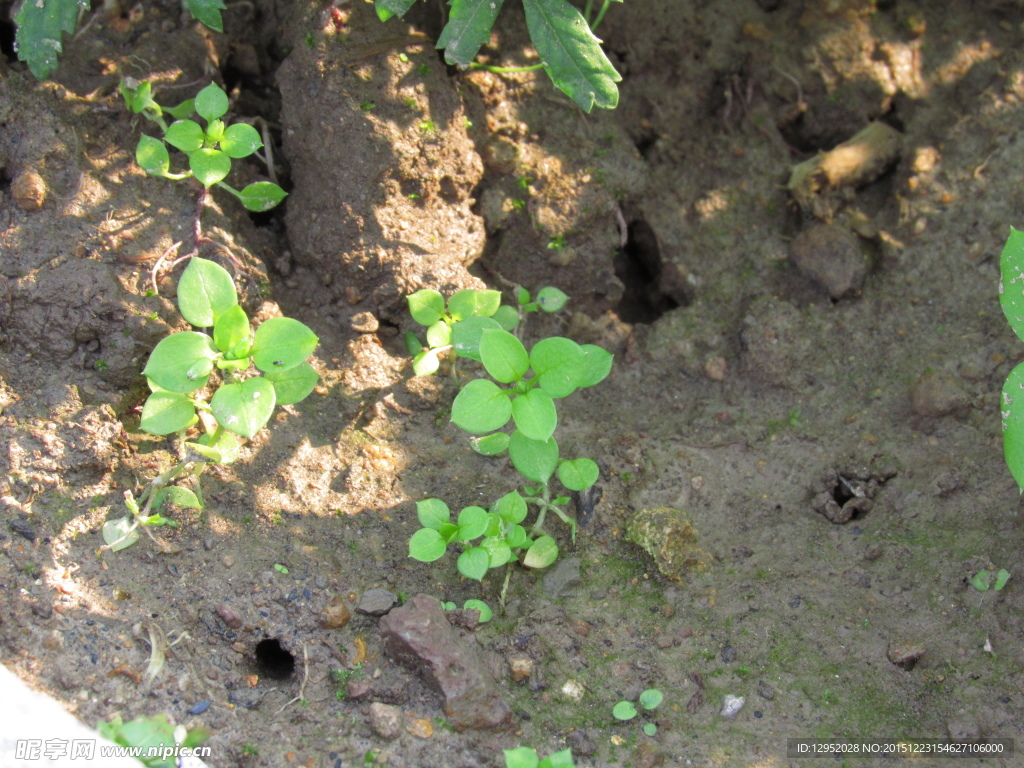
668, 536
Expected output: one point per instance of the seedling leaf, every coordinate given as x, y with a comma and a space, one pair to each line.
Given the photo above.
439, 334
185, 135
388, 8
244, 408
205, 291
597, 364
571, 53
177, 496
471, 303
226, 447
211, 102
651, 698
561, 759
151, 155
504, 356
1012, 412
433, 513
167, 412
536, 459
115, 529
521, 757
542, 553
293, 385
551, 299
491, 445
183, 110
207, 12
240, 140
472, 523
40, 25
1011, 284
281, 343
230, 328
426, 545
578, 474
650, 729
425, 362
498, 550
624, 710
426, 306
209, 165
558, 363
466, 336
481, 407
535, 414
1002, 577
981, 581
468, 28
507, 317
512, 508
480, 605
261, 196
174, 356
474, 563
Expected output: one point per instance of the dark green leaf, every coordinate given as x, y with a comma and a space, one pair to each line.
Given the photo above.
205, 292
207, 12
244, 408
152, 157
535, 414
40, 25
240, 140
261, 196
474, 563
426, 545
542, 553
281, 343
503, 355
426, 306
481, 407
209, 165
468, 28
536, 459
174, 356
579, 474
293, 385
572, 54
167, 412
211, 102
185, 135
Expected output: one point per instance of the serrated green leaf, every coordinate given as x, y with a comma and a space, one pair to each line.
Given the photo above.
481, 407
551, 299
466, 336
261, 196
230, 328
388, 8
491, 445
211, 102
167, 412
209, 165
240, 140
205, 292
293, 385
244, 408
597, 364
571, 54
426, 545
535, 414
472, 523
503, 355
177, 496
433, 513
535, 459
207, 12
558, 363
542, 553
171, 360
468, 28
151, 155
474, 563
1012, 413
281, 343
578, 474
185, 135
426, 306
40, 26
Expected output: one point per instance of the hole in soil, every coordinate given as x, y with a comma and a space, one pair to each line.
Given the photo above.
7, 40
273, 661
841, 493
639, 267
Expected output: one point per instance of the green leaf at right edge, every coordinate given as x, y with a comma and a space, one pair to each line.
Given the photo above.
481, 407
571, 53
261, 196
468, 28
1011, 281
207, 12
535, 459
40, 25
388, 8
244, 408
474, 563
1012, 412
167, 412
542, 553
205, 292
295, 384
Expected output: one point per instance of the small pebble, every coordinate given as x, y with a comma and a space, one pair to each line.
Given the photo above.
386, 720
230, 616
29, 190
227, 561
765, 691
937, 393
731, 706
199, 708
22, 528
905, 655
716, 368
522, 668
376, 602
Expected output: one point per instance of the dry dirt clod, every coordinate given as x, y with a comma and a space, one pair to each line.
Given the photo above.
29, 190
386, 720
905, 655
830, 257
937, 393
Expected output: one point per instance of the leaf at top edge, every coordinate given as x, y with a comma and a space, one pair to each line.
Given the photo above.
468, 28
571, 53
388, 8
207, 12
39, 29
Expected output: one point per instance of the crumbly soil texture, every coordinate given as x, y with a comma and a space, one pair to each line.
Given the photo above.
807, 372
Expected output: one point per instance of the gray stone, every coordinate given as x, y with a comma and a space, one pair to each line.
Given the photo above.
376, 602
937, 393
419, 636
386, 720
563, 578
831, 258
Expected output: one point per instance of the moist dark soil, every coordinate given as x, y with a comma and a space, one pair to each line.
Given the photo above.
810, 376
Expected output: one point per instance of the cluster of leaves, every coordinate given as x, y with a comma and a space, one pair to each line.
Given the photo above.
209, 151
982, 580
486, 614
626, 710
154, 735
181, 367
41, 23
456, 328
569, 51
533, 380
526, 757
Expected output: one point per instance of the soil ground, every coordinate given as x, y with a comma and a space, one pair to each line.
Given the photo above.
775, 366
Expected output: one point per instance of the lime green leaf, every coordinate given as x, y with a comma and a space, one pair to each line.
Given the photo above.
433, 513
579, 474
512, 508
468, 28
474, 563
281, 343
624, 710
240, 140
1012, 412
466, 336
209, 165
498, 551
212, 102
115, 529
491, 445
205, 292
183, 110
1002, 577
207, 12
167, 412
561, 759
503, 355
151, 155
171, 360
230, 328
521, 757
472, 303
571, 53
185, 135
425, 362
472, 523
293, 385
427, 545
981, 581
535, 414
558, 364
40, 25
536, 459
426, 306
542, 553
388, 8
517, 538
244, 408
226, 447
481, 407
651, 698
479, 605
177, 496
507, 317
439, 334
261, 196
597, 364
1011, 283
551, 299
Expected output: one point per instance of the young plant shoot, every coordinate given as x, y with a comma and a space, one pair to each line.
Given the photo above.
207, 378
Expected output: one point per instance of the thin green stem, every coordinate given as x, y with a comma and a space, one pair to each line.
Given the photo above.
588, 11
600, 15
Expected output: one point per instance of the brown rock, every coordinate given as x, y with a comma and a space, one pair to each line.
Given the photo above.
521, 667
419, 636
336, 614
937, 393
230, 616
29, 190
905, 655
386, 720
830, 257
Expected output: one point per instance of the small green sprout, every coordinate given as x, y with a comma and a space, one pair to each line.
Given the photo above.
281, 568
982, 580
649, 700
525, 757
557, 243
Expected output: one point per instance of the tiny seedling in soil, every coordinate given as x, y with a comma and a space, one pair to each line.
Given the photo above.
649, 699
525, 757
207, 379
982, 580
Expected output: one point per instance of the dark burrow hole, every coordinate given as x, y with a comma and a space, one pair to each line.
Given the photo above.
273, 661
7, 40
639, 266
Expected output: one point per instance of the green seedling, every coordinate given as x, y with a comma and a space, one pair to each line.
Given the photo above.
649, 700
155, 737
479, 605
569, 51
1011, 298
525, 757
206, 379
982, 580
